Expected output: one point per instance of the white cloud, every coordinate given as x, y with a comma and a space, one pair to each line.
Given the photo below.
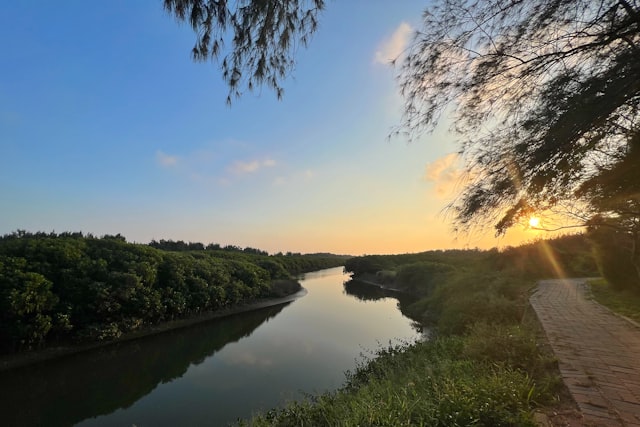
445, 173
268, 163
214, 165
392, 48
240, 168
166, 160
243, 168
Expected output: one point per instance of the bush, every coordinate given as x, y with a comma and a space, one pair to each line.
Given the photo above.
467, 297
510, 344
615, 259
460, 313
422, 277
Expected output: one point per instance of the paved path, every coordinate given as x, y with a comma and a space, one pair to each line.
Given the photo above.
598, 352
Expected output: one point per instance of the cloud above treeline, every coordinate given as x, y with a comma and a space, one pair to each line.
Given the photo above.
165, 160
206, 166
393, 47
251, 166
445, 174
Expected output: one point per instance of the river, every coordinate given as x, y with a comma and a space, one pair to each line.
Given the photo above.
215, 372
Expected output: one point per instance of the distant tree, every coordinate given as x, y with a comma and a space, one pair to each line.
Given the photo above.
195, 246
118, 237
263, 37
254, 251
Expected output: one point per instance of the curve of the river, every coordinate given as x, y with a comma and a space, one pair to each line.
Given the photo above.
215, 372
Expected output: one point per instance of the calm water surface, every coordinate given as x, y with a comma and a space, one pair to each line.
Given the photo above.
213, 373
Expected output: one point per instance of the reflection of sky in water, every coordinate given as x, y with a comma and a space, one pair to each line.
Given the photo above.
304, 349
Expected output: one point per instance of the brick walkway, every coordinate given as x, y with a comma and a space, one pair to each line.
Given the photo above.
598, 352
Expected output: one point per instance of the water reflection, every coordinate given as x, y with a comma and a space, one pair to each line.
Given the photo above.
66, 391
367, 292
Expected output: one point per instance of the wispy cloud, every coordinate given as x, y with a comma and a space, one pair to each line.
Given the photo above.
295, 177
445, 173
392, 48
216, 165
166, 160
252, 166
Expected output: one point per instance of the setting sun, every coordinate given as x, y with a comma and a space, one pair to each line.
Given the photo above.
534, 222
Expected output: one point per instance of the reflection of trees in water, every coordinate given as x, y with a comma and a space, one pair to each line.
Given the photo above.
68, 390
369, 292
364, 291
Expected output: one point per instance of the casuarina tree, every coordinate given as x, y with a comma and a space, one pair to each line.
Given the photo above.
544, 95
254, 40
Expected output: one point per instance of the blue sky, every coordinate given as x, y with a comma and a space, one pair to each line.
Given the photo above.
107, 126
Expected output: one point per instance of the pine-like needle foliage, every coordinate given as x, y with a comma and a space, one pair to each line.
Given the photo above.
545, 96
254, 40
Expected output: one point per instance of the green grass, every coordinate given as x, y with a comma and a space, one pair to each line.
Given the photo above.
624, 302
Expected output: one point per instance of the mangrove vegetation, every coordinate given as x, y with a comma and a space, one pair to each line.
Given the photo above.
71, 288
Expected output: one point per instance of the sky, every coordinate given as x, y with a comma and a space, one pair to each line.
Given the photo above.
107, 126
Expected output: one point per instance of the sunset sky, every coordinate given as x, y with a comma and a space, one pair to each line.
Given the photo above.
107, 126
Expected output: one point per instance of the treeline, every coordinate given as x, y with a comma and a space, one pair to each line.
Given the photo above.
179, 245
569, 256
293, 262
70, 287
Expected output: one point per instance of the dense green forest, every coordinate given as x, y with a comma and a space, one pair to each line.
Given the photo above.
71, 287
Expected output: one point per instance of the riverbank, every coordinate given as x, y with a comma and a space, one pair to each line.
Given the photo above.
17, 360
486, 365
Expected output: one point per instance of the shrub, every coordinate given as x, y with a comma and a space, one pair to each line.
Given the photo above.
460, 313
422, 277
615, 259
510, 344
